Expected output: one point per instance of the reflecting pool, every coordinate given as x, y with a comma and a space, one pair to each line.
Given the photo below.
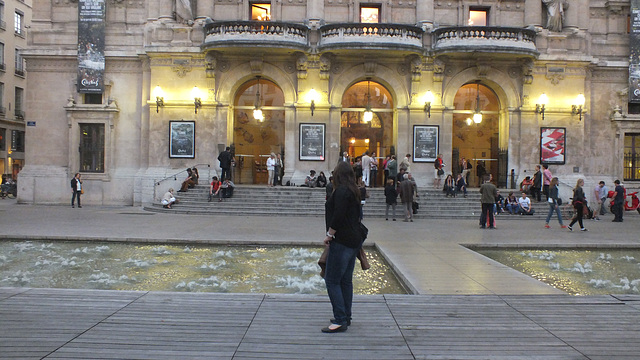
191, 268
577, 272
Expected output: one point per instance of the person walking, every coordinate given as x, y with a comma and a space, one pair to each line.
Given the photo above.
600, 194
226, 159
342, 212
554, 203
76, 189
391, 197
406, 196
618, 202
579, 202
366, 168
488, 193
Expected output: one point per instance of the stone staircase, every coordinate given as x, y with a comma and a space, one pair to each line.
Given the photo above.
301, 201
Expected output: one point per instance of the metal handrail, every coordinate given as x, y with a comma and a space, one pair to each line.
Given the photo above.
175, 176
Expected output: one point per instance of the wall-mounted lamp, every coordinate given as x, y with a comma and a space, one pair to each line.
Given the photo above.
428, 99
353, 140
577, 107
366, 141
312, 95
368, 114
257, 111
197, 98
542, 101
157, 92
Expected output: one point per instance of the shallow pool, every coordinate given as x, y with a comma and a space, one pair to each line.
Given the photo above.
197, 268
577, 272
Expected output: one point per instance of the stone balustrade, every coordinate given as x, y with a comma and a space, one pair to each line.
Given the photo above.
256, 33
485, 39
360, 35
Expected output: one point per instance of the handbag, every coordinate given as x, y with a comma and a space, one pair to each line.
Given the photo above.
559, 201
364, 232
364, 262
440, 172
81, 191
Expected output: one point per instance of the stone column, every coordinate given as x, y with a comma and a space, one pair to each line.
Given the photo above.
533, 12
165, 9
204, 9
315, 9
571, 14
424, 13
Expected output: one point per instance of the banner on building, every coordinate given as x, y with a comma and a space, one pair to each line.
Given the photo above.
634, 50
91, 24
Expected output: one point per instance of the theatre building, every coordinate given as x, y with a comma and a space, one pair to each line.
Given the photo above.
131, 93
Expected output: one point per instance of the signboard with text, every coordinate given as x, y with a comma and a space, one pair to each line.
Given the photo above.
91, 30
634, 53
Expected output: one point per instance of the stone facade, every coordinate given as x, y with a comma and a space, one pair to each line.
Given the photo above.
417, 47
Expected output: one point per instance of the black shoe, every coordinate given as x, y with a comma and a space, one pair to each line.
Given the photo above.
79, 206
394, 219
387, 219
74, 206
342, 328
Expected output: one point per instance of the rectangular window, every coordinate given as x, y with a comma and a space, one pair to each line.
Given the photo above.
2, 108
18, 23
3, 24
3, 133
94, 99
370, 13
631, 157
19, 112
261, 11
92, 148
17, 140
19, 63
478, 17
2, 65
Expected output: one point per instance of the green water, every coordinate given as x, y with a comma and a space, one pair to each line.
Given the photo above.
153, 267
577, 272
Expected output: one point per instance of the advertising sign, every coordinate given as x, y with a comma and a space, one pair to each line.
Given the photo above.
91, 24
425, 143
312, 142
634, 53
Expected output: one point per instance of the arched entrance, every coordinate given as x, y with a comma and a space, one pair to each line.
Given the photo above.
255, 138
476, 119
358, 133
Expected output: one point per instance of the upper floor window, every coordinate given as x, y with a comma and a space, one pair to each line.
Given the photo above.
478, 17
2, 108
370, 13
261, 11
94, 99
19, 111
17, 140
3, 24
3, 133
18, 25
92, 148
2, 65
19, 63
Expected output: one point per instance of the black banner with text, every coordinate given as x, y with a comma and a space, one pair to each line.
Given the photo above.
91, 24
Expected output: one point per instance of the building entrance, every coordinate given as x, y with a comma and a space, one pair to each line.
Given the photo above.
258, 129
366, 123
475, 131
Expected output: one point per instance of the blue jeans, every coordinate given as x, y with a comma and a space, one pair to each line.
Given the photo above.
338, 278
552, 208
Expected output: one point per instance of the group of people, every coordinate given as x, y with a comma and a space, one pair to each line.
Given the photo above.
8, 186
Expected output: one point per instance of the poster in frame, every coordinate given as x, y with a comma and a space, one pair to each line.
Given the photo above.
312, 142
182, 139
553, 145
425, 143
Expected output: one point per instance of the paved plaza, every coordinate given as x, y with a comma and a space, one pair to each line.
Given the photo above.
466, 307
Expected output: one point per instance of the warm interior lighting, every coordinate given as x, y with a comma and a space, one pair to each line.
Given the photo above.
195, 93
369, 15
353, 140
159, 95
428, 99
577, 107
469, 121
368, 114
257, 111
477, 18
366, 141
477, 115
312, 95
261, 12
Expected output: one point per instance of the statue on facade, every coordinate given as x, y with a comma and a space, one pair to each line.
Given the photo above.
184, 11
555, 13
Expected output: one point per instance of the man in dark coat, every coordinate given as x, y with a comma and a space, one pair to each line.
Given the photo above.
489, 193
225, 159
618, 202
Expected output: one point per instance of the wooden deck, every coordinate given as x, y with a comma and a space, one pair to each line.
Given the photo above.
91, 324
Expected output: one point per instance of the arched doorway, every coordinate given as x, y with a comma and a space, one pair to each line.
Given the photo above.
255, 138
358, 133
476, 119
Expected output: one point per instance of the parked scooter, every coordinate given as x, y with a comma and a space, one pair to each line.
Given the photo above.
632, 205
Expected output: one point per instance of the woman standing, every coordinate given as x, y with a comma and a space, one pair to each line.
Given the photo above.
578, 203
554, 203
342, 212
391, 197
271, 166
76, 189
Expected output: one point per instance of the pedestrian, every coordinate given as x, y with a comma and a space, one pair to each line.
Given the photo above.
406, 196
579, 203
488, 193
439, 172
271, 167
76, 189
546, 180
600, 193
618, 202
391, 197
392, 166
374, 170
226, 160
342, 211
385, 166
366, 168
536, 189
277, 170
554, 203
168, 199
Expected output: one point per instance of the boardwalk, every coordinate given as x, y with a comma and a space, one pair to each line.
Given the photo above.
73, 324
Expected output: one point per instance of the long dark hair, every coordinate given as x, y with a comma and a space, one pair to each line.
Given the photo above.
343, 175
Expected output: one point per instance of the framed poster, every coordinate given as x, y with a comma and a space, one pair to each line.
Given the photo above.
312, 142
553, 145
425, 143
182, 139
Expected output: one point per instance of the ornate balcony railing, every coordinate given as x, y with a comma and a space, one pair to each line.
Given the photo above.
371, 36
256, 33
488, 39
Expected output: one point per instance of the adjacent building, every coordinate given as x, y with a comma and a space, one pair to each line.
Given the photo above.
144, 89
14, 17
